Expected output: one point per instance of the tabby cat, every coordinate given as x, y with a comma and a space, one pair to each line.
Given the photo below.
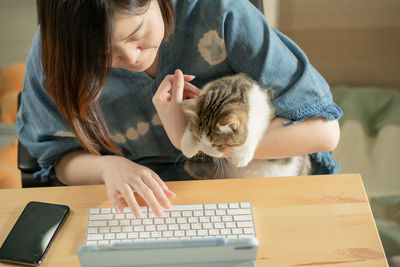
231, 114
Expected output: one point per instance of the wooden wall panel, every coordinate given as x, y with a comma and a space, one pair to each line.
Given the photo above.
354, 42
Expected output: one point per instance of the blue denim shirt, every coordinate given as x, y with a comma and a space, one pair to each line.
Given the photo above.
211, 39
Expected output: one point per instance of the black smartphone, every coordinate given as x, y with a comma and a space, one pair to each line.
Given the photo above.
33, 232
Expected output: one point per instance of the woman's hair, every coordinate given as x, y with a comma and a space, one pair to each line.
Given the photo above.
76, 58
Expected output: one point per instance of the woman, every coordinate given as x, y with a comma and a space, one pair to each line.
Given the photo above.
100, 105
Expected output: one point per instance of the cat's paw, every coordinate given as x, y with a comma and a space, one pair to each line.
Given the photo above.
241, 160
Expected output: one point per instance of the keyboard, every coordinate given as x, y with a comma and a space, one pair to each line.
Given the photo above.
195, 221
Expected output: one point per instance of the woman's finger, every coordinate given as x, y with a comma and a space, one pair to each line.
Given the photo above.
188, 77
131, 200
187, 95
164, 187
147, 194
114, 199
158, 192
177, 86
191, 88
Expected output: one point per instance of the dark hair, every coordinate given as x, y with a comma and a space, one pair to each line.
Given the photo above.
76, 58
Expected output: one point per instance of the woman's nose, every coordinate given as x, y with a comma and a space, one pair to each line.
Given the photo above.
127, 57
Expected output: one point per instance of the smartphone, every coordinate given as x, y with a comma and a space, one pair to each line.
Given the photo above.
31, 236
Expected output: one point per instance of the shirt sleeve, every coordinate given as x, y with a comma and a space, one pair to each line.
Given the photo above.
275, 61
40, 127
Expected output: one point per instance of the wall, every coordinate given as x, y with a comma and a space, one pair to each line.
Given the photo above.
353, 42
18, 21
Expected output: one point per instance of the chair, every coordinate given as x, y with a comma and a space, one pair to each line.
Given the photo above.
28, 165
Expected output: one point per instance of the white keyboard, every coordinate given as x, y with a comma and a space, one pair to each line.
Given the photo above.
196, 221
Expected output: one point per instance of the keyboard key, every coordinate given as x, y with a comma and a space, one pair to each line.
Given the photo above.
237, 231
233, 205
159, 221
94, 211
245, 205
115, 229
121, 235
104, 230
198, 213
248, 230
238, 211
215, 218
220, 212
113, 223
124, 222
150, 228
105, 210
100, 217
133, 235
242, 218
162, 227
190, 233
94, 237
127, 210
210, 206
226, 232
222, 205
245, 224
97, 223
156, 234
175, 214
167, 234
144, 235
92, 230
193, 220
204, 219
127, 229
138, 228
214, 231
209, 212
227, 218
119, 216
186, 207
187, 213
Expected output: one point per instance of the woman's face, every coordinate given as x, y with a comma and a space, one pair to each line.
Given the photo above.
136, 39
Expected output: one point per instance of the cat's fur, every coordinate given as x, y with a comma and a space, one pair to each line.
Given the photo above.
232, 114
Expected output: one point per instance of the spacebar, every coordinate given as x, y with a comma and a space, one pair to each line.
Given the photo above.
186, 207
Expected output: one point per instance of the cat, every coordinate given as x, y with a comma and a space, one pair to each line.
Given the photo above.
231, 114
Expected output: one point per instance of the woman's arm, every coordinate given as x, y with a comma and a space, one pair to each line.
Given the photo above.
79, 168
306, 137
122, 177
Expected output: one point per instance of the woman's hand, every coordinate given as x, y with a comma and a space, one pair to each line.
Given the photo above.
124, 177
171, 92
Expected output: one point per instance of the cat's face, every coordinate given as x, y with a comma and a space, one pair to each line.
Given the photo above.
217, 119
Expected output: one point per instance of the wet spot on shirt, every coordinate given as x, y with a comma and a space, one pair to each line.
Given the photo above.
64, 134
212, 48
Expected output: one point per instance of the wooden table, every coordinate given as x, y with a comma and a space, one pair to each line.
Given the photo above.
299, 221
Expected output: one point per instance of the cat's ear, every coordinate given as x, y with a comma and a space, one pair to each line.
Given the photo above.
189, 108
228, 124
